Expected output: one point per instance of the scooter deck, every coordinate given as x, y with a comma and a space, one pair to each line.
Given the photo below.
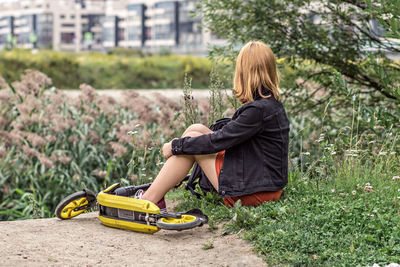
126, 212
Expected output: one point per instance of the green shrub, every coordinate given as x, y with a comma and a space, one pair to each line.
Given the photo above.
121, 69
52, 146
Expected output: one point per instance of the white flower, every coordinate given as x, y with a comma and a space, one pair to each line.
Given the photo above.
333, 190
354, 192
306, 153
132, 132
375, 211
333, 153
382, 153
396, 177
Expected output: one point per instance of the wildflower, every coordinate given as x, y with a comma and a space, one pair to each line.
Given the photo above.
32, 83
76, 177
333, 153
396, 177
375, 211
368, 187
94, 137
57, 98
132, 132
133, 177
64, 159
16, 136
342, 194
354, 192
60, 157
88, 92
58, 123
321, 138
333, 190
71, 122
23, 108
36, 140
119, 150
2, 150
87, 119
35, 117
122, 135
46, 161
306, 153
99, 173
51, 138
73, 139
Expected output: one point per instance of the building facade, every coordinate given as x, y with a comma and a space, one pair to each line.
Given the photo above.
78, 25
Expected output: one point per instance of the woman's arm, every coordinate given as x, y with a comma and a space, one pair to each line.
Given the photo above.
246, 125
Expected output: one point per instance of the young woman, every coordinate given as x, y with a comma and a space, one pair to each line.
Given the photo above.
248, 158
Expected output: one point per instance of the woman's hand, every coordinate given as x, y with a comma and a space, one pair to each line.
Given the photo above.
167, 150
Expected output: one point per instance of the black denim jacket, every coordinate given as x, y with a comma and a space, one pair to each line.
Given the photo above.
256, 143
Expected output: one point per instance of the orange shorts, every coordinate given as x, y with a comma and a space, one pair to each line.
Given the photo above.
247, 200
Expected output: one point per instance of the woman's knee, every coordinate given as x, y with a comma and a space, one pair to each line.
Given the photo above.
191, 134
197, 127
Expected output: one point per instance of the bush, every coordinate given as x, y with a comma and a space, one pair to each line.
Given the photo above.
52, 146
121, 69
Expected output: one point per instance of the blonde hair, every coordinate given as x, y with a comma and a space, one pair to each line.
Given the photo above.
255, 70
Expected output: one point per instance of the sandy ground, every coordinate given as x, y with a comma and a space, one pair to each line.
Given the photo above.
170, 93
84, 241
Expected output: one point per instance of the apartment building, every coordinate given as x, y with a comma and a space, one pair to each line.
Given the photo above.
60, 25
153, 25
76, 25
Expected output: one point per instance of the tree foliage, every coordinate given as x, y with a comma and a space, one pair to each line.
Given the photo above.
352, 37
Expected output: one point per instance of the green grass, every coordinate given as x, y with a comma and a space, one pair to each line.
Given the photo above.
340, 221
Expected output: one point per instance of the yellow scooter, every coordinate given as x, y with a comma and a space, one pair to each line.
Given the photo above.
117, 208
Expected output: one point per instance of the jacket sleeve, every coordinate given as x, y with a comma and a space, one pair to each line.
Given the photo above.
246, 125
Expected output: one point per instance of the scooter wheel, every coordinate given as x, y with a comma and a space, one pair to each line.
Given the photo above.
185, 222
66, 209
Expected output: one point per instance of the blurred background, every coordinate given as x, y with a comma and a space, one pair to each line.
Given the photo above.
100, 25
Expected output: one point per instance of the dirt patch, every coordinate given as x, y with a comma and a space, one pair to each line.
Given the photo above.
84, 241
118, 95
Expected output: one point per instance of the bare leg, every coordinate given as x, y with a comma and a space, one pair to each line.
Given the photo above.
177, 167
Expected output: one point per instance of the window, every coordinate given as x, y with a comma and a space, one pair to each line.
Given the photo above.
67, 37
